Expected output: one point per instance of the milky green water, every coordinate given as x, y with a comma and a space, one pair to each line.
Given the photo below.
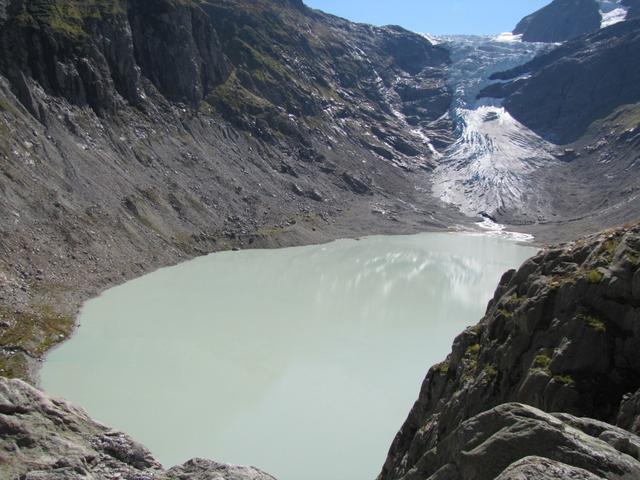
302, 361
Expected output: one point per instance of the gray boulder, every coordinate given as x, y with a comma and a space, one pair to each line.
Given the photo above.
515, 441
537, 468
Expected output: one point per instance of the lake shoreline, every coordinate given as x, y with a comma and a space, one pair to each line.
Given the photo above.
81, 285
350, 312
295, 236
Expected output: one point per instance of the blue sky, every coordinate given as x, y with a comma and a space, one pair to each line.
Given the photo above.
435, 16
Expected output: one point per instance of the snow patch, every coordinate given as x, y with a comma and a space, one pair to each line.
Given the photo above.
432, 39
612, 12
614, 16
508, 37
494, 229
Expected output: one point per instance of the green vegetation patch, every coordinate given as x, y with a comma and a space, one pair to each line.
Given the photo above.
67, 17
471, 355
566, 380
608, 248
32, 333
627, 117
594, 322
634, 258
490, 370
473, 350
232, 98
441, 368
514, 301
595, 276
5, 106
541, 363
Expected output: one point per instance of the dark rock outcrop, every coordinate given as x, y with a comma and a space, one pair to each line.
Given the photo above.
562, 335
629, 416
192, 61
559, 21
515, 441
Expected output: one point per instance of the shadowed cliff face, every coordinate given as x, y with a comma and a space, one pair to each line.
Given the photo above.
559, 21
241, 57
561, 334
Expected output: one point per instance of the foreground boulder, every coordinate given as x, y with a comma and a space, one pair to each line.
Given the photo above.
515, 441
562, 334
44, 438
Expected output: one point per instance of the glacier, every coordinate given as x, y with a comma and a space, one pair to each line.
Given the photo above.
488, 169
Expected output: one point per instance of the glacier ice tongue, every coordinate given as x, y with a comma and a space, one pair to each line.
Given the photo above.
489, 167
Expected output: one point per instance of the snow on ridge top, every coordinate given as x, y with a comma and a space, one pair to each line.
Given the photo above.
612, 12
432, 38
614, 16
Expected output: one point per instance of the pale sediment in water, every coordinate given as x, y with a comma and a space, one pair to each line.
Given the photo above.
290, 360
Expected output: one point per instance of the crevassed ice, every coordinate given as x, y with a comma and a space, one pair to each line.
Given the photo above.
508, 37
489, 167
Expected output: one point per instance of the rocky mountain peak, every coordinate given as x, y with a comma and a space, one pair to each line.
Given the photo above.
559, 21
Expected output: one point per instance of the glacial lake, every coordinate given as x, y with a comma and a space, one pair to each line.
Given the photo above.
303, 361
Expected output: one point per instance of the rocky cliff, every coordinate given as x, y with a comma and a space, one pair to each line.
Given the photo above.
559, 21
560, 335
138, 133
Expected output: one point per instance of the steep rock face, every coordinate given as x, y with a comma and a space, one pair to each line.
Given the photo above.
559, 21
560, 97
561, 334
515, 441
177, 49
93, 53
139, 133
45, 438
